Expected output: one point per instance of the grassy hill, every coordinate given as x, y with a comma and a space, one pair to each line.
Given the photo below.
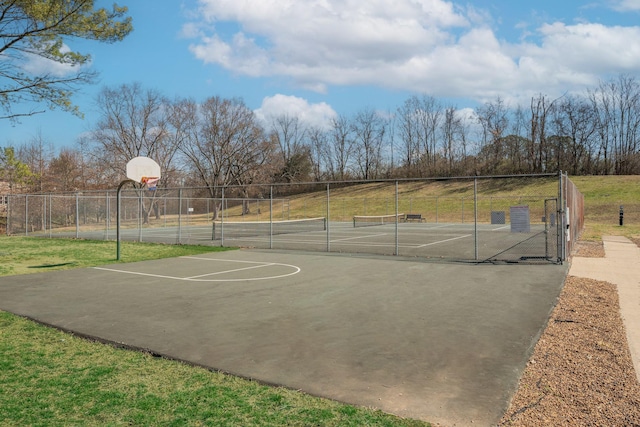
452, 200
603, 196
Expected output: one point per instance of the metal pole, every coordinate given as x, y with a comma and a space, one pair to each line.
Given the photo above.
26, 215
475, 219
180, 215
9, 204
50, 213
396, 250
118, 217
271, 216
77, 217
140, 195
107, 216
222, 217
328, 218
44, 213
561, 222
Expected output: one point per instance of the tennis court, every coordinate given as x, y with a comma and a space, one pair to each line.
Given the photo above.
439, 241
440, 342
525, 219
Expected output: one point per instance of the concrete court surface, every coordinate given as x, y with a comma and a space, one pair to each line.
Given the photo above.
445, 343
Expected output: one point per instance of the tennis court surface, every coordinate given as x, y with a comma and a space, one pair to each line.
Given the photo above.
441, 342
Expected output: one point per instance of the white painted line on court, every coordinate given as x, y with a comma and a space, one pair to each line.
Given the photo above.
295, 270
324, 242
138, 273
435, 227
228, 271
227, 260
359, 237
501, 228
444, 241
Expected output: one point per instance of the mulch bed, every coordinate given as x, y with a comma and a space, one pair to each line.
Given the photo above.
581, 372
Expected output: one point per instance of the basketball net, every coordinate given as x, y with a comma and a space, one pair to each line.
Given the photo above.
151, 182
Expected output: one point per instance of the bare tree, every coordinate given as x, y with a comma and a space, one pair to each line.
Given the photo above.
493, 118
133, 122
539, 151
36, 154
342, 145
222, 142
453, 139
408, 130
369, 129
617, 103
289, 134
320, 152
66, 171
575, 118
429, 116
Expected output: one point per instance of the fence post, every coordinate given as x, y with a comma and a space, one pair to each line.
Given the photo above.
397, 251
180, 215
107, 214
77, 215
50, 213
328, 220
562, 220
26, 215
222, 217
118, 203
475, 217
140, 214
271, 216
9, 203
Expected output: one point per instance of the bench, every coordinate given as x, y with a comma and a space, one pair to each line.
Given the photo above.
413, 217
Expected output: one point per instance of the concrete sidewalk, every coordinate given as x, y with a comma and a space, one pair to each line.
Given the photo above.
620, 266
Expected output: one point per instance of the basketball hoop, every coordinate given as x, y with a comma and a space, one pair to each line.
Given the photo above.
142, 170
151, 182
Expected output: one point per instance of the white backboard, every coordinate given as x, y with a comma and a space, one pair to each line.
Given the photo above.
139, 168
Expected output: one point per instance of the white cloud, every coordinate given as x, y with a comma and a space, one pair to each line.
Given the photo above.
579, 53
625, 5
315, 115
427, 46
37, 65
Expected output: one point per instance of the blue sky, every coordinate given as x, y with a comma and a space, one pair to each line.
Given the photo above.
318, 58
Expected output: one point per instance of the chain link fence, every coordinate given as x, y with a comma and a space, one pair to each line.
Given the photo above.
528, 219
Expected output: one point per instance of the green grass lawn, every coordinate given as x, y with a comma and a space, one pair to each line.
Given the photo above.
603, 196
49, 378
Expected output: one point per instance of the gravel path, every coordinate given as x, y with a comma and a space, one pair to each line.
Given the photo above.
580, 373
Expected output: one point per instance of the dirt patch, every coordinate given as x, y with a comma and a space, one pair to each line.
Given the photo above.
581, 372
590, 249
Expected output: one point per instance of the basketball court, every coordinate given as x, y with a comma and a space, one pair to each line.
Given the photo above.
441, 342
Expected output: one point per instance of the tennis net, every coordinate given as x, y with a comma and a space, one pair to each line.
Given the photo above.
370, 220
241, 229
